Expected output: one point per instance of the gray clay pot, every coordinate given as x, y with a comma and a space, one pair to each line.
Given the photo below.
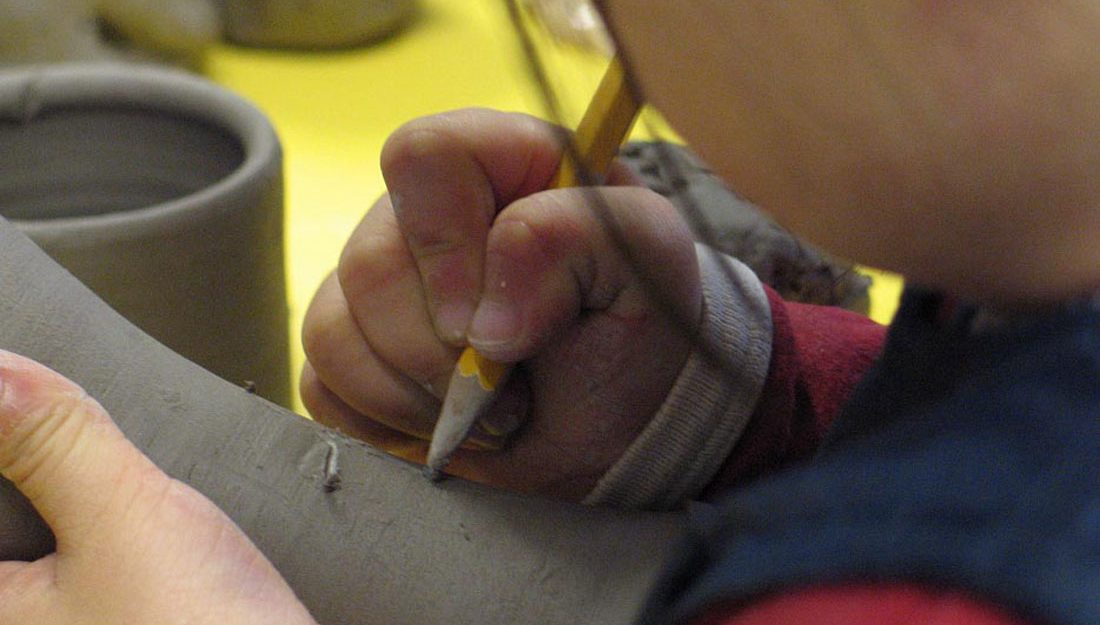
314, 24
163, 193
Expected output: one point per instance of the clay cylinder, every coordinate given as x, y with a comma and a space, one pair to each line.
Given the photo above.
317, 24
164, 194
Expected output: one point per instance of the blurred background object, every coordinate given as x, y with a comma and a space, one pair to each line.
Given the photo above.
313, 24
576, 22
182, 31
51, 31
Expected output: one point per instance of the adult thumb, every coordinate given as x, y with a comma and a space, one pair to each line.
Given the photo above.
59, 447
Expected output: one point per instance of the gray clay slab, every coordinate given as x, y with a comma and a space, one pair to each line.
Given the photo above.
377, 545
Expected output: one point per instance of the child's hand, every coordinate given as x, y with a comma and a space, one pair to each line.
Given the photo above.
133, 545
468, 247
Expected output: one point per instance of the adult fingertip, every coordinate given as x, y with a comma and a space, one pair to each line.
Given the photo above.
28, 393
58, 446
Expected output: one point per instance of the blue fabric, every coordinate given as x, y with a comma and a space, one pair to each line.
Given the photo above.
964, 460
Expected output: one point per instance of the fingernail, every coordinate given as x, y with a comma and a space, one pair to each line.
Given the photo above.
495, 324
452, 319
17, 383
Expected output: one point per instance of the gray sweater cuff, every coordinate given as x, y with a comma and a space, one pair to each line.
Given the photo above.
681, 450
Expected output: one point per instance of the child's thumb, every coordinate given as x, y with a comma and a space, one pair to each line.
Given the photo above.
61, 449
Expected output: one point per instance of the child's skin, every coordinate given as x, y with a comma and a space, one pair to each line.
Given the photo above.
952, 141
556, 293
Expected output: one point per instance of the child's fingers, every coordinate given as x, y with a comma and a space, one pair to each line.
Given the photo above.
381, 286
557, 255
61, 449
448, 175
329, 409
345, 365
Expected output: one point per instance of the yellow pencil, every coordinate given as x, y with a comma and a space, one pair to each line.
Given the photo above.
476, 379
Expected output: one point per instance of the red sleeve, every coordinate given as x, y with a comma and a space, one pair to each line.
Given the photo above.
864, 605
819, 353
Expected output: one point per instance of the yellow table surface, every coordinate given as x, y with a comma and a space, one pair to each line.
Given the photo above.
334, 110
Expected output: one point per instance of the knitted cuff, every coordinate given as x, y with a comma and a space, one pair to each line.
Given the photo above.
681, 449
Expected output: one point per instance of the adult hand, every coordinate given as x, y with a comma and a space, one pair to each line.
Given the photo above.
468, 248
133, 545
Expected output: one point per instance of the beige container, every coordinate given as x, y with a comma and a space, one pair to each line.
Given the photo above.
313, 23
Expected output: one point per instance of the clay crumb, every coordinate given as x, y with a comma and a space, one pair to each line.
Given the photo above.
331, 477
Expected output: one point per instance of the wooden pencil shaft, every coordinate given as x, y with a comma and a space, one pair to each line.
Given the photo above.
601, 131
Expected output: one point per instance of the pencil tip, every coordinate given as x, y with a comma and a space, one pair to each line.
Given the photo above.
465, 401
433, 474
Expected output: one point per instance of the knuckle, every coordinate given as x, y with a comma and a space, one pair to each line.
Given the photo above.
540, 205
312, 395
318, 335
323, 328
435, 134
557, 230
437, 244
417, 139
321, 402
453, 223
372, 262
555, 221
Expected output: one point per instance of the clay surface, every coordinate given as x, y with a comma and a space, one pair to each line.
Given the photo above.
163, 193
361, 537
